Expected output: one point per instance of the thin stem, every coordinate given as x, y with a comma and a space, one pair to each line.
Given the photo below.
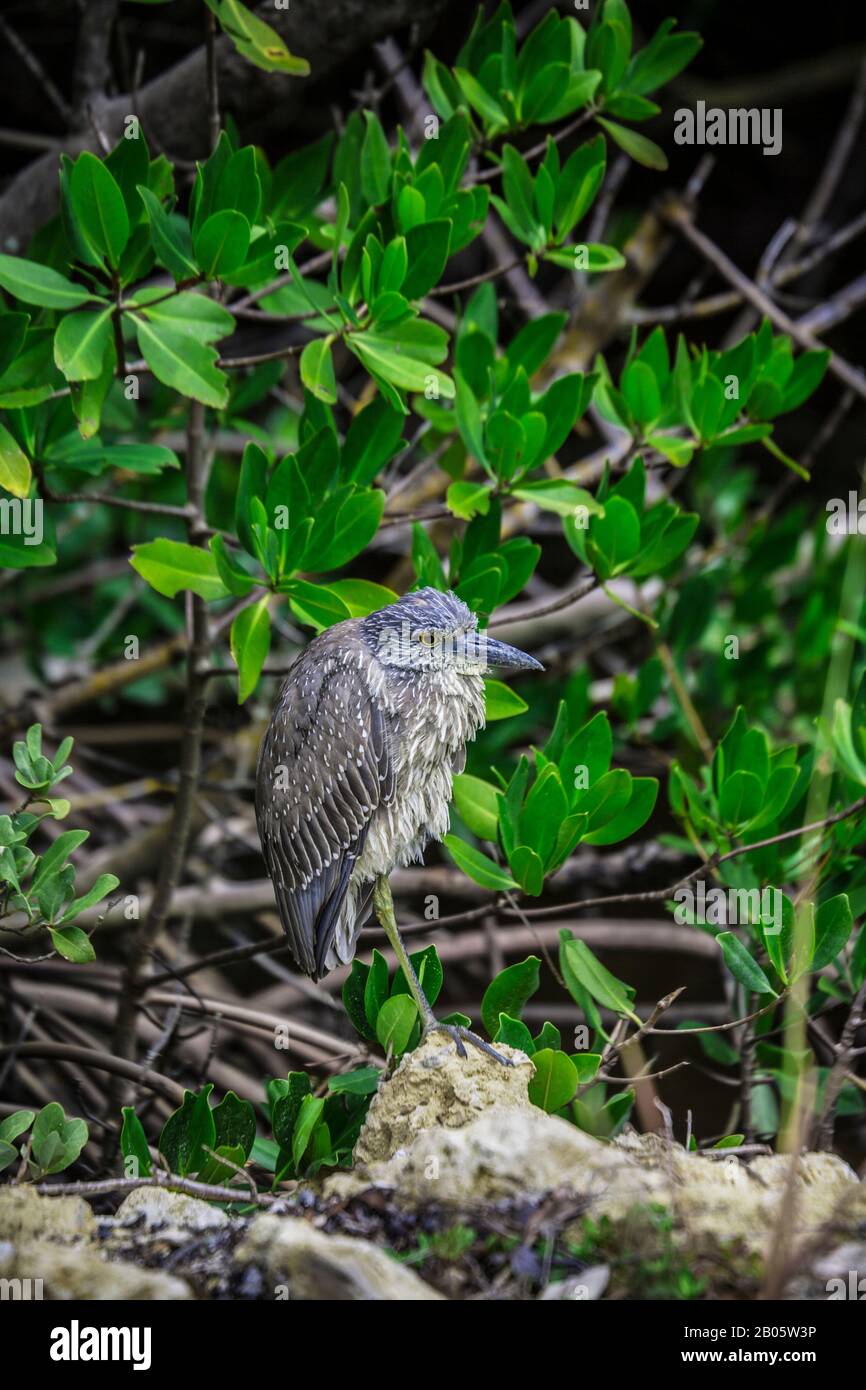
190, 764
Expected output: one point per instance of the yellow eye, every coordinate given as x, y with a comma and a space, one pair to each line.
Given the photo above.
427, 638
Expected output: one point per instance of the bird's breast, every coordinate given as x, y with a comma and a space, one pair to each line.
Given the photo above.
431, 721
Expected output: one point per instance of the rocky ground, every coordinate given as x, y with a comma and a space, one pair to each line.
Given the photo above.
463, 1189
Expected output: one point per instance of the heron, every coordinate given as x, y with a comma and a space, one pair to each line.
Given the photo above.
355, 771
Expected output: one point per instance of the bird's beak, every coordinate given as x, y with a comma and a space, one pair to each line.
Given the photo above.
498, 656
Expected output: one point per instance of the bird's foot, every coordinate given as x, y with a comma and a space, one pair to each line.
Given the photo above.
461, 1035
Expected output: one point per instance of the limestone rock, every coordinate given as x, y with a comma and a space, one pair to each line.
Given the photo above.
435, 1088
313, 1265
161, 1207
514, 1151
25, 1215
518, 1150
80, 1272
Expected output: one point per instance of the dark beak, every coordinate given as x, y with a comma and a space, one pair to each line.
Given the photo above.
498, 656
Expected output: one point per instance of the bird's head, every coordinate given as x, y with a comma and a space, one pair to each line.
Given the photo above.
433, 631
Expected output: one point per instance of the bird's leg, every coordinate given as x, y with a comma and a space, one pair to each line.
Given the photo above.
383, 906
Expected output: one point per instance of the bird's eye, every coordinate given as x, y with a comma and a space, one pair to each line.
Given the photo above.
427, 638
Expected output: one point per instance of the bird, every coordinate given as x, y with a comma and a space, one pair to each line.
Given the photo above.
355, 770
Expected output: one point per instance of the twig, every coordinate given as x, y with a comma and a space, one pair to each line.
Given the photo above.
677, 215
208, 1191
845, 1052
190, 761
100, 1061
29, 59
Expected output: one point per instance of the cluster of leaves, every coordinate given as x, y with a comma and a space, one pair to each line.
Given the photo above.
630, 537
708, 399
213, 1144
568, 796
197, 1140
311, 512
561, 69
54, 1142
42, 886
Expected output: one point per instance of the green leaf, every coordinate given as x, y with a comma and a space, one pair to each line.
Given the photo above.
376, 987
286, 1096
375, 162
427, 250
170, 237
396, 1019
316, 604
38, 284
363, 1081
501, 702
308, 1118
57, 854
14, 465
56, 1141
317, 370
555, 1080
467, 500
104, 884
743, 966
514, 1033
72, 943
169, 566
13, 330
182, 362
354, 992
610, 992
80, 343
509, 991
665, 55
478, 866
372, 440
250, 643
833, 924
477, 805
480, 99
558, 495
636, 146
641, 391
16, 1124
578, 185
741, 798
384, 360
133, 1145
587, 1066
255, 40
346, 522
99, 208
615, 537
222, 242
235, 1124
187, 1131
528, 868
644, 793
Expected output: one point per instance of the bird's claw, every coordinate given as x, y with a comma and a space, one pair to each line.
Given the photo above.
459, 1035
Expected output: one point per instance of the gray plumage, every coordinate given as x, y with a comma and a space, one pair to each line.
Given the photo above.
355, 771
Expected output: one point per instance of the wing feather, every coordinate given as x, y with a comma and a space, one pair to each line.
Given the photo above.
324, 768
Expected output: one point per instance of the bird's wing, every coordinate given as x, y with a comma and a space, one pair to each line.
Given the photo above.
325, 766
